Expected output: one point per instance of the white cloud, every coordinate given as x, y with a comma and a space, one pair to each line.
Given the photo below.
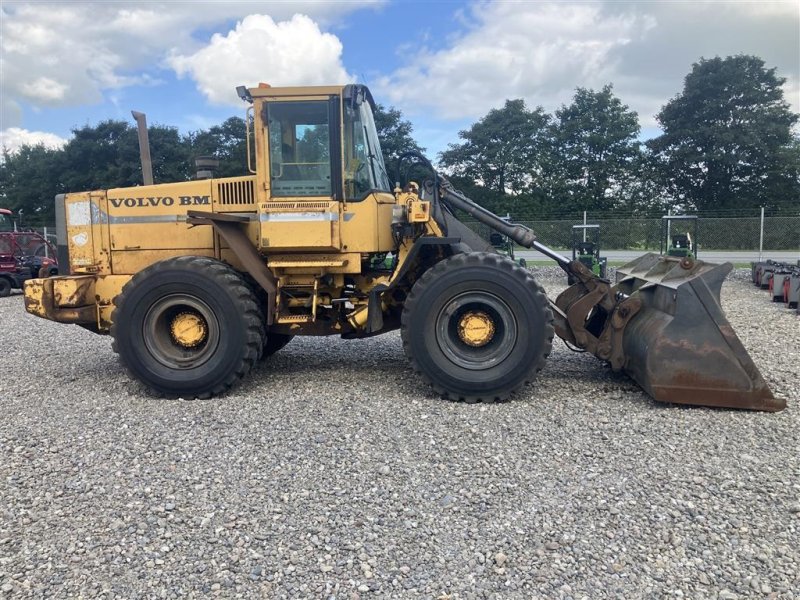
293, 52
536, 51
82, 49
45, 89
542, 51
13, 138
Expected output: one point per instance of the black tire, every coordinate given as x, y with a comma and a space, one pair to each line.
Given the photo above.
275, 342
5, 287
206, 293
486, 289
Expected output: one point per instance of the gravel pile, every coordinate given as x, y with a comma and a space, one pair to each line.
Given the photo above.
334, 472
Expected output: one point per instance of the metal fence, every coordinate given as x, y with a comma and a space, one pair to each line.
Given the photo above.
713, 233
744, 233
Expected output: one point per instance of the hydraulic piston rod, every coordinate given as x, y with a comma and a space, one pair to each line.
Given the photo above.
520, 234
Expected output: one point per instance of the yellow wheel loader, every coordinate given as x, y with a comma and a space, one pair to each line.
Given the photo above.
195, 281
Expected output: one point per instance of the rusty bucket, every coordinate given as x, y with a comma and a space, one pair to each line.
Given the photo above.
680, 347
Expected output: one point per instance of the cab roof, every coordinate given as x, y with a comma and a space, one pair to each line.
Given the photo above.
311, 90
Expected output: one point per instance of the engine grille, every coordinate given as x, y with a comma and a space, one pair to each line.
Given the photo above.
236, 193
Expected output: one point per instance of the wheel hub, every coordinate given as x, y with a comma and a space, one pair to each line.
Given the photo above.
188, 329
476, 328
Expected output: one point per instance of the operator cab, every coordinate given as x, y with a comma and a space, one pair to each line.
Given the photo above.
682, 240
315, 152
681, 245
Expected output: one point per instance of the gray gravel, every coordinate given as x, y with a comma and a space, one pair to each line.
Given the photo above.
334, 472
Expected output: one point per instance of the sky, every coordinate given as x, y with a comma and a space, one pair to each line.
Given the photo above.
443, 63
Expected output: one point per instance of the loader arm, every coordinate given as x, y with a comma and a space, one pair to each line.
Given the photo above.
661, 323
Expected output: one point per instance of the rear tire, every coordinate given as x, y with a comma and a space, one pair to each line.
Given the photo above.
5, 287
477, 326
188, 327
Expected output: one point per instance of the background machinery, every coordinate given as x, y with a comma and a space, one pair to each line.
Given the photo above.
781, 279
23, 255
195, 281
679, 243
587, 251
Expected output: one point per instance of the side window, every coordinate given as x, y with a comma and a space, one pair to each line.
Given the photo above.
356, 159
299, 148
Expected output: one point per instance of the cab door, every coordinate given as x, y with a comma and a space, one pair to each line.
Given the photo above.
303, 210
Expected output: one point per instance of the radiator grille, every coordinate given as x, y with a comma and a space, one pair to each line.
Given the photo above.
236, 192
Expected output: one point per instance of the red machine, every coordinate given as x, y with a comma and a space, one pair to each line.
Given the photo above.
23, 255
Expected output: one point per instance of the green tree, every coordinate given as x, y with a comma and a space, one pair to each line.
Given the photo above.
170, 153
727, 141
29, 180
107, 156
227, 142
101, 157
394, 134
594, 148
503, 151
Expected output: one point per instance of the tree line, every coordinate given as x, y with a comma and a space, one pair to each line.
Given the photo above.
727, 143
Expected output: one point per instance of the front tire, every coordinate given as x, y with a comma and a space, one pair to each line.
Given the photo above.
188, 327
477, 326
5, 287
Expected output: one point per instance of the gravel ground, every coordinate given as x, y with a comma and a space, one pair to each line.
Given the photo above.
334, 472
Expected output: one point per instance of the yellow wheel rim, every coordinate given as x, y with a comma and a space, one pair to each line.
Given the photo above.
476, 329
188, 329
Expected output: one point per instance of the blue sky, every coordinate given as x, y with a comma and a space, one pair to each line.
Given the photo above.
444, 63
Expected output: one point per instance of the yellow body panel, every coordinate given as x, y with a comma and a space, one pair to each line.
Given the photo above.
367, 225
87, 238
295, 224
153, 217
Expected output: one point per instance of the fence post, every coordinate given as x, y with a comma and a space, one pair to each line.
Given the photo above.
669, 231
46, 248
584, 229
761, 236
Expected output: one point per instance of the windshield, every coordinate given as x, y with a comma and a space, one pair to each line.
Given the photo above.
363, 161
5, 223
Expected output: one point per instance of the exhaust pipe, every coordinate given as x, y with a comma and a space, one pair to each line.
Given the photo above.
206, 167
144, 147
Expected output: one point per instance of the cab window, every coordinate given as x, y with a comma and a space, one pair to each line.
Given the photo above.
364, 170
299, 147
